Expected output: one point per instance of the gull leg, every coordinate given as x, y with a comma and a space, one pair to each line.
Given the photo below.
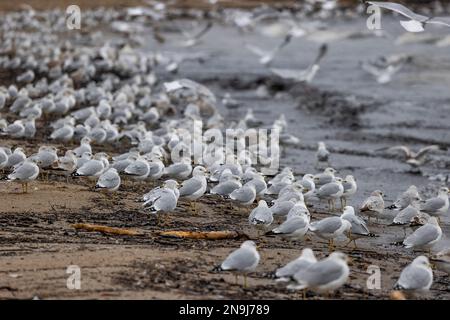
342, 203
245, 281
26, 187
354, 243
235, 279
23, 188
304, 294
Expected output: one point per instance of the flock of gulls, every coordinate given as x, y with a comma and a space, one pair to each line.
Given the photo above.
79, 97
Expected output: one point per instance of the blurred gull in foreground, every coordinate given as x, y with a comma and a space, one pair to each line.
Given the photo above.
243, 260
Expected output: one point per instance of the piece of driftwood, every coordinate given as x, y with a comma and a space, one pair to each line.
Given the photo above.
204, 235
397, 295
105, 229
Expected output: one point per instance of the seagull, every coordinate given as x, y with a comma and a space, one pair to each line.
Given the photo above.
258, 181
325, 177
285, 173
350, 188
302, 75
47, 156
417, 277
108, 181
373, 205
15, 129
306, 259
325, 275
138, 169
243, 260
406, 198
292, 191
194, 39
162, 199
330, 192
414, 159
261, 216
3, 158
299, 209
64, 134
25, 172
15, 158
307, 183
425, 236
417, 22
437, 206
244, 195
226, 187
179, 170
68, 163
330, 228
92, 168
251, 120
382, 74
282, 207
195, 187
85, 146
265, 56
294, 228
409, 216
359, 228
322, 153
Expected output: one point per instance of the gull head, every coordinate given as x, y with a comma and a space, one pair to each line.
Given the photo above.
308, 254
171, 184
339, 256
422, 261
262, 203
349, 179
249, 244
199, 171
377, 193
349, 210
444, 191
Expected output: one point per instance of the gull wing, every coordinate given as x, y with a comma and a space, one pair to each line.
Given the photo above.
399, 8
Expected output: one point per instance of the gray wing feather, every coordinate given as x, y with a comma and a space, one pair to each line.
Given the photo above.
328, 189
423, 235
238, 260
414, 278
320, 273
400, 9
433, 204
190, 186
291, 225
327, 225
